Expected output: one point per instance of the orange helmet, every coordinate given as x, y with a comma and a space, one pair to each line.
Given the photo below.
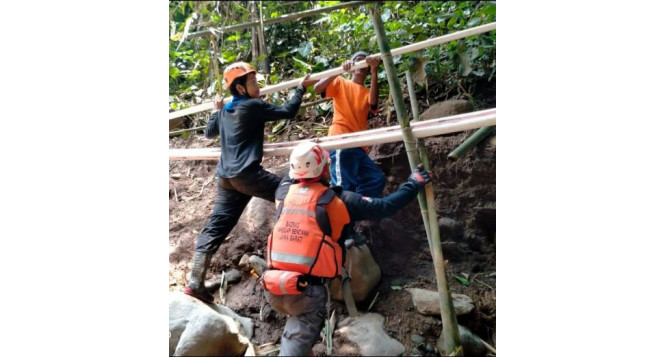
236, 70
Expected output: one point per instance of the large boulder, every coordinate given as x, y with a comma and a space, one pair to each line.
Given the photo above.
446, 108
427, 302
200, 329
364, 272
367, 336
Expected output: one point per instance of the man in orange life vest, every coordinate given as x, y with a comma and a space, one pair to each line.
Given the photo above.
305, 251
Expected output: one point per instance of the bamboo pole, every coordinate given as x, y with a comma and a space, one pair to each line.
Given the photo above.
357, 65
262, 49
423, 155
215, 61
305, 105
432, 127
276, 20
470, 142
452, 340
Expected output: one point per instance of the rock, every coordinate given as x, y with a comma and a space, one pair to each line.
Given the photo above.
417, 339
446, 108
454, 251
200, 329
365, 274
233, 276
472, 345
427, 302
366, 331
450, 229
258, 264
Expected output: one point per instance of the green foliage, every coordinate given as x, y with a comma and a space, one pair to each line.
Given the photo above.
321, 42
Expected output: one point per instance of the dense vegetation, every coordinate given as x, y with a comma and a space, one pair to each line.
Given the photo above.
312, 44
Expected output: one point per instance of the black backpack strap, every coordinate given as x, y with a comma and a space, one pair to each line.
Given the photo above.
321, 213
280, 194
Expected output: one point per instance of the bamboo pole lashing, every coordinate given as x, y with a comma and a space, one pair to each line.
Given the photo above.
361, 64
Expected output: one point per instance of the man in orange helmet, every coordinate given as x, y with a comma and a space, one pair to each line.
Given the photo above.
240, 124
305, 250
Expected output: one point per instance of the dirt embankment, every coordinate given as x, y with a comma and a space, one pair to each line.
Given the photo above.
465, 194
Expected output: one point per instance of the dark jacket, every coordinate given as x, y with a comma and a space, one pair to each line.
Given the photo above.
241, 130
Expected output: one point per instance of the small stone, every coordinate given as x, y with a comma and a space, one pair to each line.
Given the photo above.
176, 176
450, 228
417, 339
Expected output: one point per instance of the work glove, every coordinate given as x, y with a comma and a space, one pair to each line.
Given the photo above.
420, 176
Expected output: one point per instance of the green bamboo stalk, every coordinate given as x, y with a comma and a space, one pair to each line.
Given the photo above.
423, 155
215, 62
470, 142
434, 230
450, 334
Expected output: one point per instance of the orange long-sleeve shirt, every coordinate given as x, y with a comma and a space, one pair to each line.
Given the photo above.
351, 106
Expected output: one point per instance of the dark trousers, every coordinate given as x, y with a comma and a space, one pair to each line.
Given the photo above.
233, 195
306, 320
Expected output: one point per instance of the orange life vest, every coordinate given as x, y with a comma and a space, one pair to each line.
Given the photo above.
304, 239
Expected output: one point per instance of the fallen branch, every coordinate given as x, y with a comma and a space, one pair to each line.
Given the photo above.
205, 184
175, 191
488, 346
373, 301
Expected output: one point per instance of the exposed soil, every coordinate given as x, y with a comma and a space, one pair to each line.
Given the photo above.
465, 192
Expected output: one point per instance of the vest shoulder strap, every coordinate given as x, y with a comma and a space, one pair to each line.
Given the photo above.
321, 212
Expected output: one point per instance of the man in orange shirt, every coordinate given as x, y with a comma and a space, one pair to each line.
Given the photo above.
352, 168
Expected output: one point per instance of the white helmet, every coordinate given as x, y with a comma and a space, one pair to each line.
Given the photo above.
308, 160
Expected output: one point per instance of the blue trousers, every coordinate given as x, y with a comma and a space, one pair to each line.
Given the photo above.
354, 170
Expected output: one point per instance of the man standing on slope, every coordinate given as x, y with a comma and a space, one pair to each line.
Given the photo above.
240, 124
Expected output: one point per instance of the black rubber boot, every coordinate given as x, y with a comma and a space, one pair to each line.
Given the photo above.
196, 287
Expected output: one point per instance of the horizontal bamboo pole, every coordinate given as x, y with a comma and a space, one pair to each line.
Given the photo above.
361, 64
276, 20
305, 105
422, 129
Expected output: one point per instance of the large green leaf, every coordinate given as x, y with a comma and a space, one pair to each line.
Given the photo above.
302, 64
305, 48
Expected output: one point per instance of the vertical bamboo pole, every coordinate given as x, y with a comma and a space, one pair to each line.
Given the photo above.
265, 62
215, 60
423, 154
452, 341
